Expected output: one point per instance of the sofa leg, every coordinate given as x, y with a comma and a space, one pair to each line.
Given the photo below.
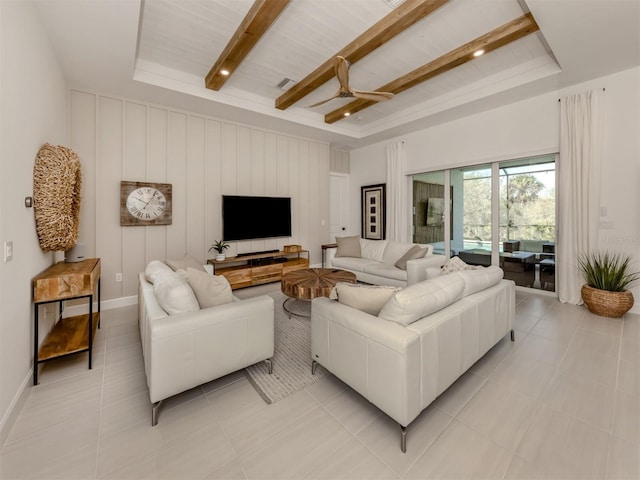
403, 439
314, 364
154, 413
269, 365
513, 335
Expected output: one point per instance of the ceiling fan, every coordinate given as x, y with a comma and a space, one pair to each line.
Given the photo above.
341, 68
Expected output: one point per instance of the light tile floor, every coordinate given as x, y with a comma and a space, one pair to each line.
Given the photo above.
562, 401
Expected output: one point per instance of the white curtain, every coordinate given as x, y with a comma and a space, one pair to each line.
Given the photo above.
578, 188
397, 224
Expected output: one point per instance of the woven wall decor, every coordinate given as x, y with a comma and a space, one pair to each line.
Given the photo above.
56, 197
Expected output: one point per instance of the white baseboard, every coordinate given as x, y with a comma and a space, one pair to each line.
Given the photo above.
72, 310
18, 401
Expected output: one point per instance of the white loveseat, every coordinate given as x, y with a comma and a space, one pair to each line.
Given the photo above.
378, 262
424, 338
184, 350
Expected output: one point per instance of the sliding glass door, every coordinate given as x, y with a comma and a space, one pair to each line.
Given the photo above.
528, 221
472, 204
498, 214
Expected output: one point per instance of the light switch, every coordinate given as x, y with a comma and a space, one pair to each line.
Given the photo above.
8, 251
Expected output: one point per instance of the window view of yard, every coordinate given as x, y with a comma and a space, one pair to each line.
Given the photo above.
527, 203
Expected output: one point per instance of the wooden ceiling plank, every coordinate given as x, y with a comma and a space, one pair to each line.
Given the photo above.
392, 24
503, 35
254, 25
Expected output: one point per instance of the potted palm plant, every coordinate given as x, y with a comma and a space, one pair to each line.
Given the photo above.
607, 278
219, 246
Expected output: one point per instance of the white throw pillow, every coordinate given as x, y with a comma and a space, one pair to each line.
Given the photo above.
210, 290
184, 263
154, 268
422, 299
455, 264
174, 293
366, 298
372, 249
479, 279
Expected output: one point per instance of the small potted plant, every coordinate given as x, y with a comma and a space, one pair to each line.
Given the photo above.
607, 278
219, 246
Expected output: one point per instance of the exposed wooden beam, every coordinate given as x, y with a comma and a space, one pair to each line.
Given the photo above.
401, 18
503, 35
254, 25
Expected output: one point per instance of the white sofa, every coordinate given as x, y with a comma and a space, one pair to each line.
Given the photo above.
184, 350
377, 263
402, 365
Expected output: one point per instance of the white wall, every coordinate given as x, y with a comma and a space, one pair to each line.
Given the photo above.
528, 128
32, 112
203, 158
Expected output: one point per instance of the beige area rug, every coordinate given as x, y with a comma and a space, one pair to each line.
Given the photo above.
292, 356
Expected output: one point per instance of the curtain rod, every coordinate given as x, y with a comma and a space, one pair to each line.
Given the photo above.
603, 89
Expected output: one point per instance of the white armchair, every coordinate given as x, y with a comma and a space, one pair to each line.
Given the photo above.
184, 350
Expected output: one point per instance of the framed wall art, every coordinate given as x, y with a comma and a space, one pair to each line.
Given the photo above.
374, 205
435, 212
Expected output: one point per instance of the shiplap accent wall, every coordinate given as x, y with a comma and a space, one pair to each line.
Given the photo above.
339, 161
203, 158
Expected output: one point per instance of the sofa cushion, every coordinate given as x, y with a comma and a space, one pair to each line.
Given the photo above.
394, 251
372, 249
422, 299
174, 293
350, 263
366, 298
210, 290
348, 246
480, 278
386, 271
154, 268
414, 252
184, 263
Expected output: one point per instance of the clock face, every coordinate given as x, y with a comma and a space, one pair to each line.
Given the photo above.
146, 203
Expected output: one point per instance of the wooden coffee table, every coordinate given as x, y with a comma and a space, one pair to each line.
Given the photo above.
310, 283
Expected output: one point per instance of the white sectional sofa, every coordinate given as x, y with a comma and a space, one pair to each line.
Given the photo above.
424, 338
377, 261
188, 345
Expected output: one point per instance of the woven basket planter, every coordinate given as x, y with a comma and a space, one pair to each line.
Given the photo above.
606, 303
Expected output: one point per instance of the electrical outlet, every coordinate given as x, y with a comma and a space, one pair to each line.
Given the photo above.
8, 251
118, 277
606, 225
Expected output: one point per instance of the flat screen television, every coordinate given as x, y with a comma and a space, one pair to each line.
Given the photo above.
246, 218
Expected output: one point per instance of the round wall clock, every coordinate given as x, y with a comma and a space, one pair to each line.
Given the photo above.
145, 203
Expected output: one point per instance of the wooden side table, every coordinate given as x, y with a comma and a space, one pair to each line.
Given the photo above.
324, 250
60, 282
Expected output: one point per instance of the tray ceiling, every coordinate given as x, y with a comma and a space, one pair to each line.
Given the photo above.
160, 51
181, 40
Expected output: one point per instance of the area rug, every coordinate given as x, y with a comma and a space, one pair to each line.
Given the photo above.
291, 359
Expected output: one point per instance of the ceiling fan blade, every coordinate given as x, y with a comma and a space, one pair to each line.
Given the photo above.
373, 96
321, 102
341, 68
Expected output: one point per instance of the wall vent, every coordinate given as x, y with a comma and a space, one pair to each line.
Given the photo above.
393, 3
286, 84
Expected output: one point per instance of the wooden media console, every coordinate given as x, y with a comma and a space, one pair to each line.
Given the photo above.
259, 268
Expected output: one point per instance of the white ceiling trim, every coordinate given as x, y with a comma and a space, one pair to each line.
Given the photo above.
514, 77
161, 76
